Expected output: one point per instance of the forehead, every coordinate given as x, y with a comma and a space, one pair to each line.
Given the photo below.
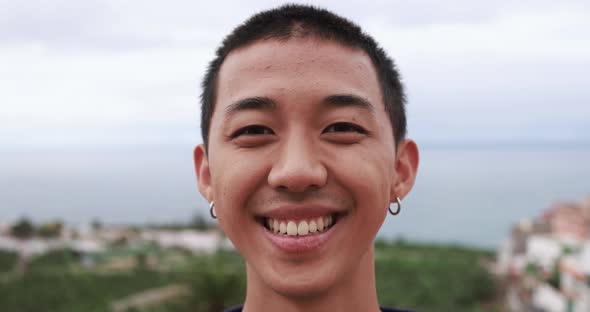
296, 67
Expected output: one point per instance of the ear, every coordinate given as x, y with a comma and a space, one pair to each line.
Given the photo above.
406, 168
203, 172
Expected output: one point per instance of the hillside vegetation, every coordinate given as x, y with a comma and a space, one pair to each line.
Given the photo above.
411, 276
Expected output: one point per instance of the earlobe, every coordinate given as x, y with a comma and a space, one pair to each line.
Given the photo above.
203, 172
406, 168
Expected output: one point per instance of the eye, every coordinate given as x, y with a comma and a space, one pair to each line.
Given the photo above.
254, 130
344, 133
345, 127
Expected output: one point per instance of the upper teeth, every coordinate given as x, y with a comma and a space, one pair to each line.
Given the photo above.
302, 227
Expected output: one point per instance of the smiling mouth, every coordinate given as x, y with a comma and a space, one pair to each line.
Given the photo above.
302, 227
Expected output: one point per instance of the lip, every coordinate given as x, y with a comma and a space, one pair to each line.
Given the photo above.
301, 244
299, 212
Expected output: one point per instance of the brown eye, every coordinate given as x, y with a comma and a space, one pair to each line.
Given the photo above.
345, 127
344, 133
252, 131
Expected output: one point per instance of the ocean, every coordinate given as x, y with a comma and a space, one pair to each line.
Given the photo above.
469, 195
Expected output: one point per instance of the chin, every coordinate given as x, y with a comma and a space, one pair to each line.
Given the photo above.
300, 282
301, 288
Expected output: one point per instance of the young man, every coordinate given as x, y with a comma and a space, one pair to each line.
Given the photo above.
304, 125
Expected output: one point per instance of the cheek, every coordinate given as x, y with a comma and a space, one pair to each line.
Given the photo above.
366, 175
234, 179
368, 178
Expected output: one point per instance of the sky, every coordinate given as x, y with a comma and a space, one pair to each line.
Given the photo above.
92, 73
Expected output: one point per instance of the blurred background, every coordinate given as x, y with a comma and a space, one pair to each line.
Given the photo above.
99, 114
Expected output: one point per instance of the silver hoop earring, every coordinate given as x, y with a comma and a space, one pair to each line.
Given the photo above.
398, 209
212, 210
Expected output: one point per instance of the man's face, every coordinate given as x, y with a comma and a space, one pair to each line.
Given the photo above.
299, 134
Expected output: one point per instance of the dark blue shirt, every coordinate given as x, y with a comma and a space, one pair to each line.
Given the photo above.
383, 309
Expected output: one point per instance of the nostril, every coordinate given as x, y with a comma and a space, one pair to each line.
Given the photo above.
297, 172
297, 188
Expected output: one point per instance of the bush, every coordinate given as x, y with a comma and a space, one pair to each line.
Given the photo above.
60, 258
217, 282
7, 261
66, 291
432, 278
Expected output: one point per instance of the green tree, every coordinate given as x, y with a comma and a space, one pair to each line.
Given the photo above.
23, 229
96, 224
50, 230
200, 223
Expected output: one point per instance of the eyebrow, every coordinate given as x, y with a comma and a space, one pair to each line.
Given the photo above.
251, 103
267, 104
348, 100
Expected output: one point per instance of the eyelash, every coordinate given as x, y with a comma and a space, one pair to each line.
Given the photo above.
349, 126
244, 131
263, 130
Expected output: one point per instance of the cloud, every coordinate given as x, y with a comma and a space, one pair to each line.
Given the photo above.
100, 89
486, 69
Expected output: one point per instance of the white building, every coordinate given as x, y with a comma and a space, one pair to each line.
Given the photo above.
543, 250
195, 241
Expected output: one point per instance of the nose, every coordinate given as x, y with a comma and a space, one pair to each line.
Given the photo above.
298, 168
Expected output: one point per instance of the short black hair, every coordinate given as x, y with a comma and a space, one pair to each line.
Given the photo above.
293, 20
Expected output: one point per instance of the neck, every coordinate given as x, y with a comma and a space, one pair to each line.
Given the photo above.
355, 291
